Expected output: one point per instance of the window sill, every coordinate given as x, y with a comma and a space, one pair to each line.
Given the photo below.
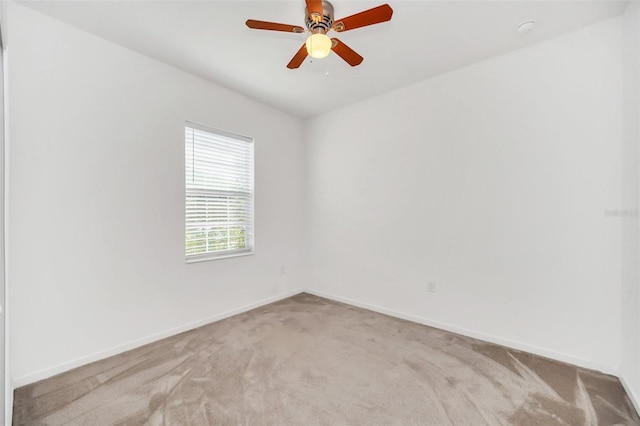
207, 257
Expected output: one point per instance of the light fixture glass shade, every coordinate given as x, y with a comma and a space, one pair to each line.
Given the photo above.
318, 45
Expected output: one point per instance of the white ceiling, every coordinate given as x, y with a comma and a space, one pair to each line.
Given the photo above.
423, 39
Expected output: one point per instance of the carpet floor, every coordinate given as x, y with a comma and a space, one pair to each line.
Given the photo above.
311, 361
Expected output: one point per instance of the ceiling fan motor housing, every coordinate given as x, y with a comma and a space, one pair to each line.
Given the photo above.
320, 24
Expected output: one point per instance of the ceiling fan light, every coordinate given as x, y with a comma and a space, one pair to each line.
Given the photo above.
318, 45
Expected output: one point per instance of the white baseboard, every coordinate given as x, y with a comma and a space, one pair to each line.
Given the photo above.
78, 362
61, 368
635, 400
547, 353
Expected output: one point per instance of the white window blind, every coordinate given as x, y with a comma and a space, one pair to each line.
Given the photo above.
219, 193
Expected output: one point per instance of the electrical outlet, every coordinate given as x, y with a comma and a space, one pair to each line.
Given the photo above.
432, 287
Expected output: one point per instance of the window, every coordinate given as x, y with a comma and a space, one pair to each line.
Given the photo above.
219, 193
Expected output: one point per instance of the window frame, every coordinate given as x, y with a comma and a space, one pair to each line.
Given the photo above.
222, 254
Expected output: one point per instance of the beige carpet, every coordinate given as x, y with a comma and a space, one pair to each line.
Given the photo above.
311, 361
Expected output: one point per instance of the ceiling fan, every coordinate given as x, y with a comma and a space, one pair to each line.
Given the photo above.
319, 20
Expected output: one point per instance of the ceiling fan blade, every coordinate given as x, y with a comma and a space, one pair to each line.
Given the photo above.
346, 53
299, 58
368, 17
314, 7
272, 26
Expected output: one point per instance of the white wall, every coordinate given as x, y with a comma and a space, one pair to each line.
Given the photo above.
96, 204
630, 369
492, 181
5, 360
7, 374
